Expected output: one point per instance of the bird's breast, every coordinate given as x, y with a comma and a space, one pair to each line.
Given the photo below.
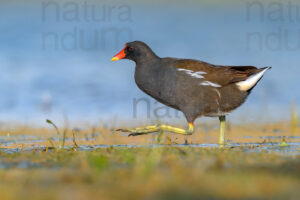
158, 82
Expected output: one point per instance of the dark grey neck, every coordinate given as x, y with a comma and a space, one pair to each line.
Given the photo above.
146, 55
148, 59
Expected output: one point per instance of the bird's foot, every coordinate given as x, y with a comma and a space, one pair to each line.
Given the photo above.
141, 130
156, 128
225, 144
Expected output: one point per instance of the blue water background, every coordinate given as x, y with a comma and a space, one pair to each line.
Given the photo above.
39, 82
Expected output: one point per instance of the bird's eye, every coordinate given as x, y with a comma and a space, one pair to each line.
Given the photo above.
131, 48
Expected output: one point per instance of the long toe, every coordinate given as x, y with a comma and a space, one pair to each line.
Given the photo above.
123, 130
135, 134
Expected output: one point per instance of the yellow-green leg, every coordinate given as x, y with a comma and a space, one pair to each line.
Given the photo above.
222, 131
156, 128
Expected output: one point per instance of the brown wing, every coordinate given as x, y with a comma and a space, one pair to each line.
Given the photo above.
222, 75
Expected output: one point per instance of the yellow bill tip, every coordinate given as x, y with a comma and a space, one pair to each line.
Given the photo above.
115, 59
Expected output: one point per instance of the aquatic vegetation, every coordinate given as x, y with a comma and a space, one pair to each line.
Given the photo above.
149, 173
97, 162
58, 134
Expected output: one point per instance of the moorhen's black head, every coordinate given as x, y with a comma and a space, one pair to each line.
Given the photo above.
136, 51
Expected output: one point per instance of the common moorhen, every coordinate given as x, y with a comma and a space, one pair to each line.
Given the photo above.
194, 87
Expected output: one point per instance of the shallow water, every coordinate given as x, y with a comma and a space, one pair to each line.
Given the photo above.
291, 148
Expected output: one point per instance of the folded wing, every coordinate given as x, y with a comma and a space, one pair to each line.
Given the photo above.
245, 77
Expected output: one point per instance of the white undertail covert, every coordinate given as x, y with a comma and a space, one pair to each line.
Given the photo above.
251, 81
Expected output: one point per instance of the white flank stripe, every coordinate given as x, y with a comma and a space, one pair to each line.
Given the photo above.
192, 73
210, 84
185, 70
251, 81
196, 75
